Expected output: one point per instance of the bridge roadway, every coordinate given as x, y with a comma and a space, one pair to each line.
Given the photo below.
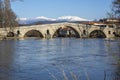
81, 30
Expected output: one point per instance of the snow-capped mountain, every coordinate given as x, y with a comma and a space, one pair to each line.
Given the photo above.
45, 19
71, 18
42, 18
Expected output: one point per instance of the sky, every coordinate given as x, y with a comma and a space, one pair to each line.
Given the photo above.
88, 9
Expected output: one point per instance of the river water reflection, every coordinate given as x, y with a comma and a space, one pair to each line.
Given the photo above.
60, 59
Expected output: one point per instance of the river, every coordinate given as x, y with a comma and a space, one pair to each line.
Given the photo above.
60, 59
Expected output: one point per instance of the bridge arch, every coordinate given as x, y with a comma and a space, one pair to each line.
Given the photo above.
66, 31
10, 34
97, 34
33, 33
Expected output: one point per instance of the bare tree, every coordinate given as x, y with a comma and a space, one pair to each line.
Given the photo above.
7, 16
1, 13
116, 7
114, 14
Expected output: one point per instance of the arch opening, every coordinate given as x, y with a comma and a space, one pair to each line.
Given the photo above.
10, 34
66, 32
33, 33
97, 34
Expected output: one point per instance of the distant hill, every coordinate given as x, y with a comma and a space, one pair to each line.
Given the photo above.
45, 20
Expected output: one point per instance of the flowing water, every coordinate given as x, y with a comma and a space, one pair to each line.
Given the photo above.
60, 59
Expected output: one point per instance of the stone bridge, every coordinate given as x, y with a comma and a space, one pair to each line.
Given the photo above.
52, 30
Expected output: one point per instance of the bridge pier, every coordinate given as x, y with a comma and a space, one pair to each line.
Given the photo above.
48, 36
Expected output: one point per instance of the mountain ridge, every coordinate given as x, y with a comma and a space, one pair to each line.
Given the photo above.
43, 19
